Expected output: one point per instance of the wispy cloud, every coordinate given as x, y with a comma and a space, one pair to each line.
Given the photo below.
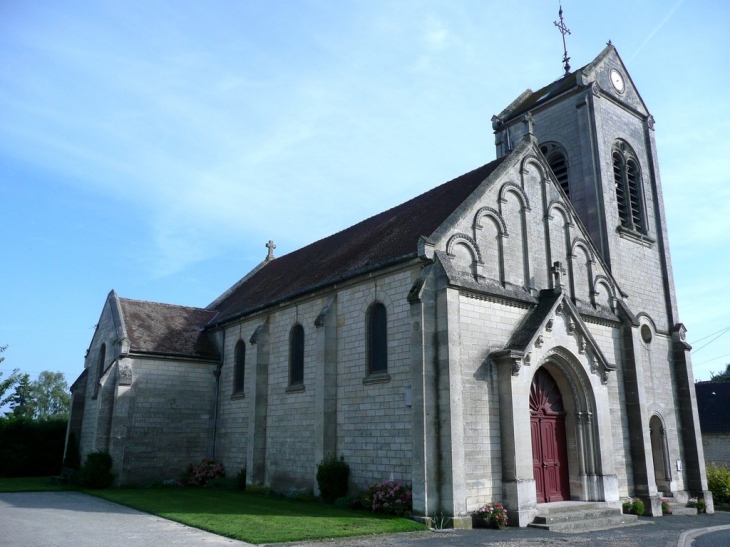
657, 28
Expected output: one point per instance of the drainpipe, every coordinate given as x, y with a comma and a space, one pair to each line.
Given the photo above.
217, 374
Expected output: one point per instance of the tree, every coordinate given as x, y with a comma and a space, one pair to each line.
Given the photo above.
50, 394
21, 401
8, 383
721, 376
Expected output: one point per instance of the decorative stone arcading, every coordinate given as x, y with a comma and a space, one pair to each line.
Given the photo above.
492, 213
464, 238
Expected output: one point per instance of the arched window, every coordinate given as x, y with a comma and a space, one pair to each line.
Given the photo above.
377, 333
296, 355
629, 197
239, 367
558, 161
100, 368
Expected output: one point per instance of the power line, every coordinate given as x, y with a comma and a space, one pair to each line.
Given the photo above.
711, 341
706, 337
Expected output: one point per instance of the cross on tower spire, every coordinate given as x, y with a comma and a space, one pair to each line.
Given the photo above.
563, 30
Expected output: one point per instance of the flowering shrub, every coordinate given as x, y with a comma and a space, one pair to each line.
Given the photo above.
205, 471
666, 509
389, 497
495, 515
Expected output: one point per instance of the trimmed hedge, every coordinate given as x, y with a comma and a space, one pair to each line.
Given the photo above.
31, 448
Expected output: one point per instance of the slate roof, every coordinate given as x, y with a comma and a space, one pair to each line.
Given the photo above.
545, 94
386, 238
713, 405
166, 329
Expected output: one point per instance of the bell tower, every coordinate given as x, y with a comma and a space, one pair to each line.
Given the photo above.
597, 135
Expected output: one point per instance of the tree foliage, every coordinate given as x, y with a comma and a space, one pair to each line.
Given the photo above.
8, 383
721, 376
50, 393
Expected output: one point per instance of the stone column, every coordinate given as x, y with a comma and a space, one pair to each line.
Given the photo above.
424, 384
642, 460
518, 481
694, 454
258, 407
123, 407
325, 426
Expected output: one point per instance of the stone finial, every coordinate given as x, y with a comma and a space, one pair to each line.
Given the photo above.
270, 246
557, 271
529, 122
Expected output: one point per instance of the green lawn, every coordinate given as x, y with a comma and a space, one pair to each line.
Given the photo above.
254, 518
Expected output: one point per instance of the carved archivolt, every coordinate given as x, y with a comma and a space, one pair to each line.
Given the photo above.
466, 240
560, 207
605, 281
517, 189
492, 213
535, 162
580, 242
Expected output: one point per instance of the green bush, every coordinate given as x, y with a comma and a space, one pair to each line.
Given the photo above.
31, 448
637, 507
718, 481
349, 502
389, 497
332, 478
97, 470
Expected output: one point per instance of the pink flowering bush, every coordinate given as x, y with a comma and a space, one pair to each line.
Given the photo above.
205, 471
493, 514
389, 497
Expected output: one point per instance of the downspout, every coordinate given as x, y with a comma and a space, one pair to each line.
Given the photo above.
217, 374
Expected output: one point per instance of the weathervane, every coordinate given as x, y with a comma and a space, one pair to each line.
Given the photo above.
563, 30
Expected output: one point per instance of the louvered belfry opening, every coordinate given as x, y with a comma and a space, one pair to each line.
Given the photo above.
627, 179
558, 161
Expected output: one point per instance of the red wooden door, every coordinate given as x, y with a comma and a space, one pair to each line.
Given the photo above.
549, 454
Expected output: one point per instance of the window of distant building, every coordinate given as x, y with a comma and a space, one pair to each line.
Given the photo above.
296, 355
558, 161
239, 367
629, 192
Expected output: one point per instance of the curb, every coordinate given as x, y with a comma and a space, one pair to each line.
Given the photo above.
686, 539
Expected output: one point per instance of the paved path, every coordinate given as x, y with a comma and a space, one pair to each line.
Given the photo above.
63, 519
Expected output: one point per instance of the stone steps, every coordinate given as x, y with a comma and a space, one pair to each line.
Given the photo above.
580, 517
682, 509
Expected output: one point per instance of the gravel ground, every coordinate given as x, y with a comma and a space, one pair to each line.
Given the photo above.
61, 519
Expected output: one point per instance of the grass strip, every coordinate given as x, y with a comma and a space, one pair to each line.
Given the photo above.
256, 518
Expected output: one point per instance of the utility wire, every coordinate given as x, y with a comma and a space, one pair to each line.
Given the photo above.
706, 337
711, 341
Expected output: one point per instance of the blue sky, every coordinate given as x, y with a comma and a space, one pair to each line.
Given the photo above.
154, 147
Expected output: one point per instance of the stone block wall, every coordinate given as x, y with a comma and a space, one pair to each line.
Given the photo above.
717, 447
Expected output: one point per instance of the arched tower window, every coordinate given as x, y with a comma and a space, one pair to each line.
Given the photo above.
629, 195
377, 333
239, 367
296, 355
558, 161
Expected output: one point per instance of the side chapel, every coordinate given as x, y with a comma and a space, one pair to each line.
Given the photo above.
509, 336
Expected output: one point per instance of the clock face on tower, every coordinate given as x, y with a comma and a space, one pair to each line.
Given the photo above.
617, 80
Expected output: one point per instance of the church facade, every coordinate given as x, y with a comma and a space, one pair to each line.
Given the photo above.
509, 336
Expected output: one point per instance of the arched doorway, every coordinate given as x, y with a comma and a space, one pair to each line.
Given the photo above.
549, 453
662, 469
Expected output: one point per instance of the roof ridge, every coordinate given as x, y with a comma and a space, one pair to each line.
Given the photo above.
163, 304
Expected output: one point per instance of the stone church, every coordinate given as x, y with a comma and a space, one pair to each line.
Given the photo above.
509, 336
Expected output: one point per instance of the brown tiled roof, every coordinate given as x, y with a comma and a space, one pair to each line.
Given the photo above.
383, 239
166, 329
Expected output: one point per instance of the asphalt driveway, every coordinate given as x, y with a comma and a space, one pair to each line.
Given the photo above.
63, 519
